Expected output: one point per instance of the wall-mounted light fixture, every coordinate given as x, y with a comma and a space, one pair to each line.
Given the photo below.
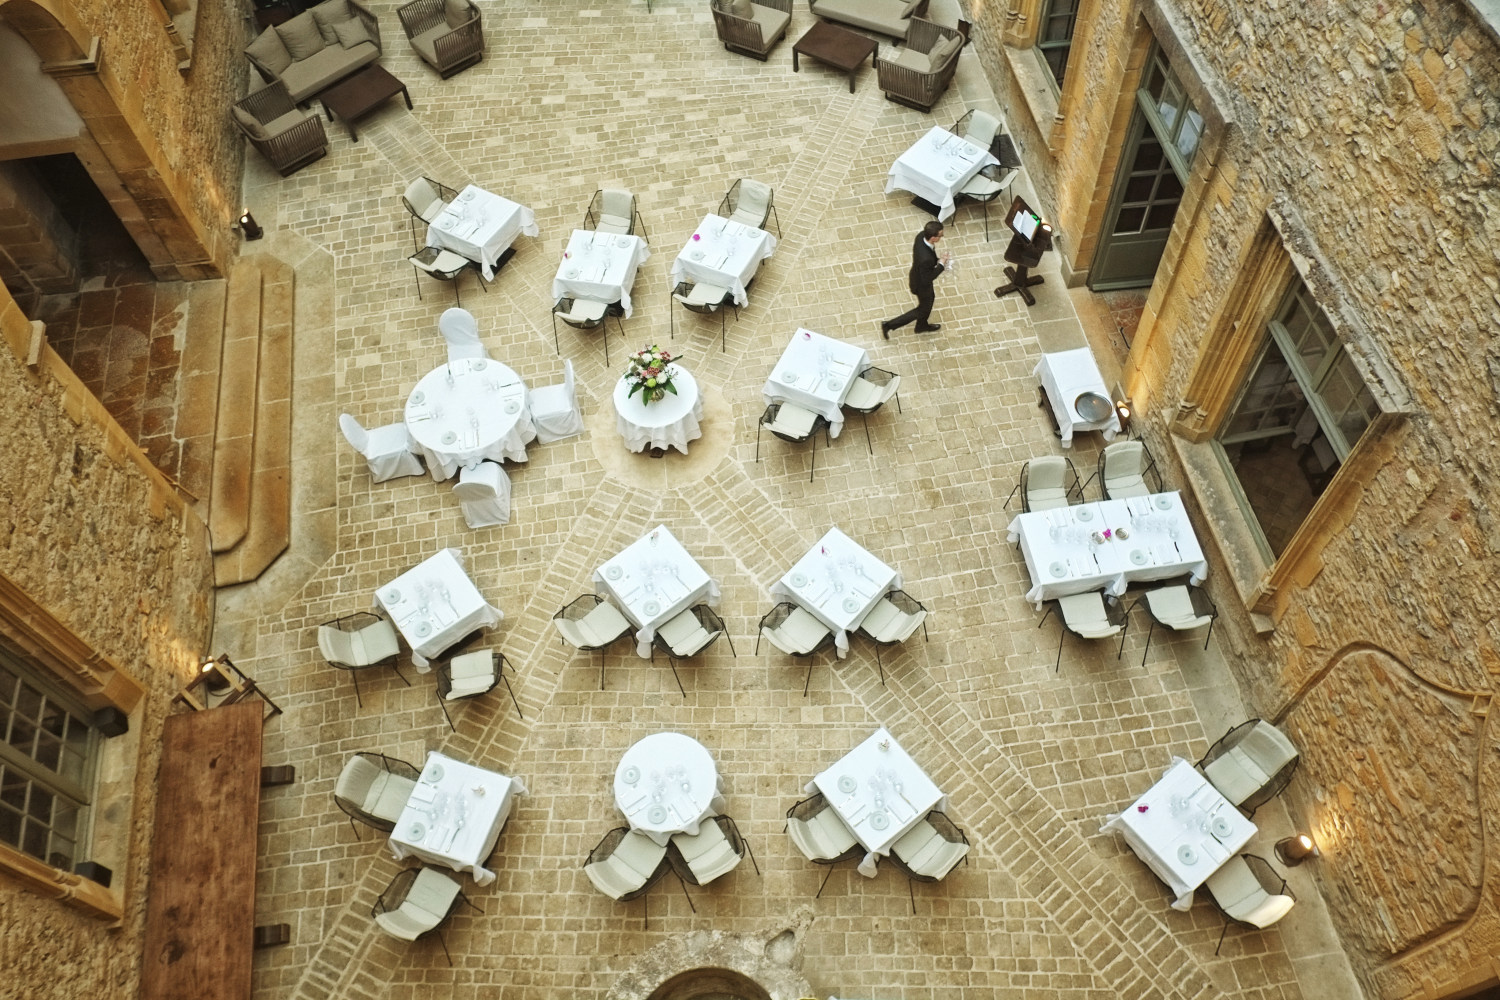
249, 227
1294, 850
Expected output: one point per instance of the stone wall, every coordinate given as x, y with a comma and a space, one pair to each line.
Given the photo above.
90, 535
1371, 131
37, 246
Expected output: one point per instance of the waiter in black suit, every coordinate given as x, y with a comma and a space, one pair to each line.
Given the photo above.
925, 267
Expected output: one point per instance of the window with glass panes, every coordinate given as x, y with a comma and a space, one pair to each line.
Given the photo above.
1180, 125
1054, 36
46, 765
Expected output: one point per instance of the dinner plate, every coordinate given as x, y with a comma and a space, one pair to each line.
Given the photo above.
466, 196
951, 175
477, 364
851, 605
847, 785
1058, 569
572, 272
880, 821
696, 255
790, 378
631, 775
512, 406
1221, 827
835, 384
1083, 514
1187, 855
1163, 502
445, 222
393, 596
799, 579
613, 572
656, 815
449, 437
1138, 557
623, 242
651, 608
433, 774
418, 397
423, 629
416, 831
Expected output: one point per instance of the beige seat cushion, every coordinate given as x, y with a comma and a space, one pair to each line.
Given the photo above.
772, 21
911, 59
323, 69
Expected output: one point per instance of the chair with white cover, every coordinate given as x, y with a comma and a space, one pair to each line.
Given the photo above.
373, 789
688, 634
425, 199
929, 851
584, 314
416, 902
794, 424
613, 211
821, 835
387, 449
461, 331
1047, 482
625, 864
978, 127
554, 409
1250, 891
871, 390
1180, 608
703, 298
793, 630
483, 491
1250, 764
441, 265
716, 849
750, 202
358, 641
892, 620
1123, 466
469, 675
1087, 616
589, 622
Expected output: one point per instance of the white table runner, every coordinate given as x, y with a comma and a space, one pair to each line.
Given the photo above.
652, 581
724, 253
600, 267
670, 422
468, 411
454, 816
480, 226
838, 582
1066, 375
881, 793
434, 605
936, 166
816, 372
667, 783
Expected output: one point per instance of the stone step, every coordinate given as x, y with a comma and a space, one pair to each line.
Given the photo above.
269, 528
198, 395
234, 434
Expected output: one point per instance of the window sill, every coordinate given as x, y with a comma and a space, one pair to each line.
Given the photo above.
75, 891
1035, 90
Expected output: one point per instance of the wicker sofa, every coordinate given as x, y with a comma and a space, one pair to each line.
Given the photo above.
885, 17
290, 139
918, 75
752, 28
317, 48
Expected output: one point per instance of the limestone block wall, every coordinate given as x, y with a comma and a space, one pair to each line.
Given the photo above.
36, 244
90, 536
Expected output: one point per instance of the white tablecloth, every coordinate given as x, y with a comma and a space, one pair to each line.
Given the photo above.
1063, 558
1067, 375
670, 422
480, 226
724, 253
667, 784
816, 372
454, 816
881, 793
1183, 829
481, 414
652, 581
838, 582
936, 166
453, 606
600, 267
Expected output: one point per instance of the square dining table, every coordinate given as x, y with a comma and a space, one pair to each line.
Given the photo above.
481, 226
1183, 829
652, 581
723, 253
880, 793
454, 816
1067, 375
816, 372
600, 267
936, 167
435, 604
838, 583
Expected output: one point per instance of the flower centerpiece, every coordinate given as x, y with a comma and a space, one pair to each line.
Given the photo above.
651, 373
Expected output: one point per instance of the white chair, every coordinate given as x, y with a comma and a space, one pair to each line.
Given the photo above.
1250, 764
583, 314
823, 838
417, 901
1047, 482
1122, 470
461, 331
978, 127
373, 789
625, 864
929, 851
750, 203
1179, 608
1250, 891
871, 390
892, 620
442, 265
688, 634
613, 211
793, 424
470, 675
1088, 617
716, 849
590, 622
554, 409
794, 631
351, 643
705, 299
483, 492
386, 449
425, 199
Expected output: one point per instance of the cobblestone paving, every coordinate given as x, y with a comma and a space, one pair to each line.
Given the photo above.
566, 100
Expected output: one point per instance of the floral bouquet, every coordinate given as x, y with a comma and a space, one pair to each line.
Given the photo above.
651, 373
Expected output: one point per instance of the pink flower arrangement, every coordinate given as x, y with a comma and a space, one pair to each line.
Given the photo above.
651, 372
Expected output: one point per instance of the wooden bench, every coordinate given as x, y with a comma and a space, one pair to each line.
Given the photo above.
200, 910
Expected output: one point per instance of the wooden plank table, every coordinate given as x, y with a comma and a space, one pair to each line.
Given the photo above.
200, 908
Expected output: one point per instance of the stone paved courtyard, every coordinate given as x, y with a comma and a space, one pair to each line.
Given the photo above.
567, 100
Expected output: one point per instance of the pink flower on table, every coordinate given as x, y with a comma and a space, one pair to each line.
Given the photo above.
1106, 533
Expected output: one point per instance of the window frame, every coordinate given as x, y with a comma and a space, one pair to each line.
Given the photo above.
1042, 45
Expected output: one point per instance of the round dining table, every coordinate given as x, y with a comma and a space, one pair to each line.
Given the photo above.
670, 422
667, 783
469, 411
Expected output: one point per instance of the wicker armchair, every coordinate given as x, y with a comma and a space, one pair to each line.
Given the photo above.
913, 77
286, 137
445, 46
757, 34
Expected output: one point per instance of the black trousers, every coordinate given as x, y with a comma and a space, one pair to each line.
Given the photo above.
921, 313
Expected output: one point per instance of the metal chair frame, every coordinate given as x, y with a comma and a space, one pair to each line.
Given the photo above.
773, 619
1266, 874
908, 605
354, 671
1020, 486
427, 255
737, 841
881, 377
820, 423
444, 191
611, 309
445, 685
812, 805
1112, 611
607, 845
395, 894
1099, 472
1271, 789
684, 288
947, 829
391, 765
1202, 605
731, 201
592, 214
579, 608
711, 622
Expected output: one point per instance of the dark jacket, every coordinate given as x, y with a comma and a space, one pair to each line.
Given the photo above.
924, 267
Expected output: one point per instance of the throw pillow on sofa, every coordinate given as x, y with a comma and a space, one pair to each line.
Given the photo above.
327, 14
269, 51
302, 37
252, 126
351, 32
742, 8
456, 12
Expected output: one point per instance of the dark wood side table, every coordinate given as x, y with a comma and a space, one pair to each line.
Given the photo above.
360, 94
837, 47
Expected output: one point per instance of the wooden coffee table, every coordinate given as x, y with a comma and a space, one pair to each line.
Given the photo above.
360, 94
838, 47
